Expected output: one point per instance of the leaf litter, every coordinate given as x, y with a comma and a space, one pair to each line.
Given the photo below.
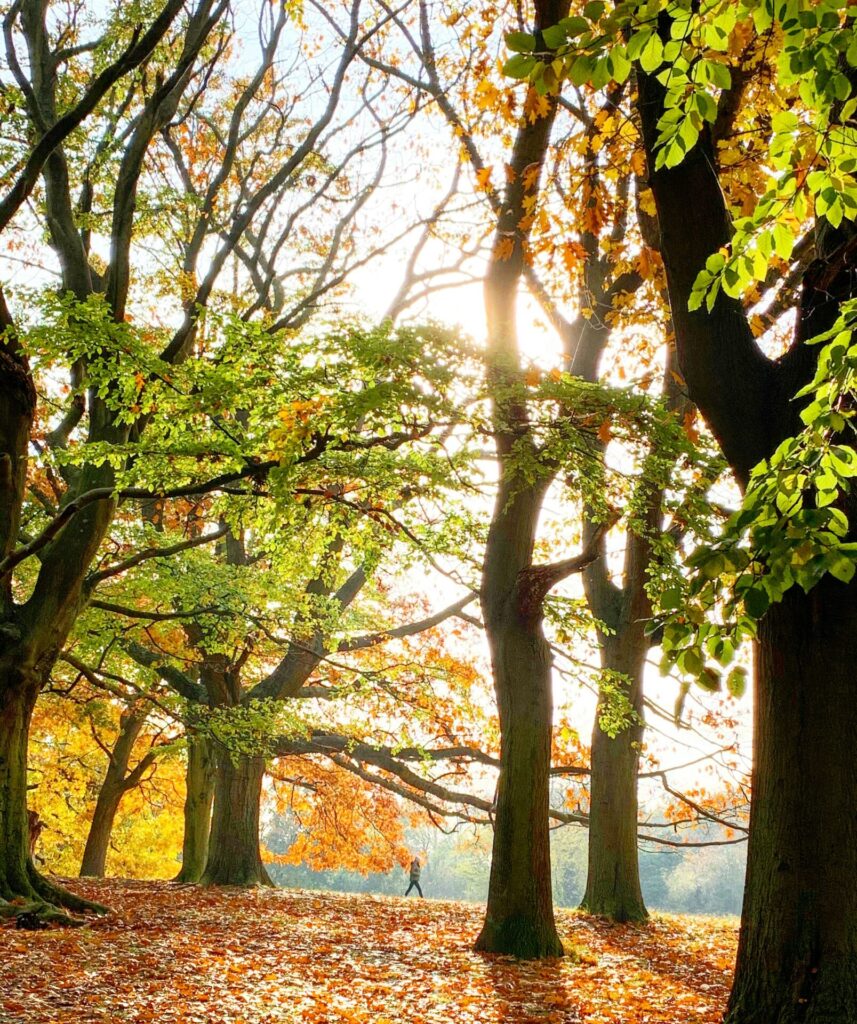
185, 955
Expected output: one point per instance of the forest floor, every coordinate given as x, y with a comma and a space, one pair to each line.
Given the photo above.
183, 955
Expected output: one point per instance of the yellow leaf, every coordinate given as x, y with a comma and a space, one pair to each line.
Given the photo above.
503, 248
638, 162
483, 179
535, 106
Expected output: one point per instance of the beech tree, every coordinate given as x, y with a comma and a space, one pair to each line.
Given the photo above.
116, 367
119, 777
615, 279
797, 959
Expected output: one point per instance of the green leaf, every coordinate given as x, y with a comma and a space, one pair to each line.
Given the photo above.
521, 42
594, 10
554, 36
574, 26
637, 43
653, 54
519, 66
756, 601
736, 681
842, 568
718, 74
619, 65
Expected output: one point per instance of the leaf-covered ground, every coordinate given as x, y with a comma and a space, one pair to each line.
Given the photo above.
182, 955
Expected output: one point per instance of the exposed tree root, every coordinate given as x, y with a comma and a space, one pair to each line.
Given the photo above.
50, 892
35, 902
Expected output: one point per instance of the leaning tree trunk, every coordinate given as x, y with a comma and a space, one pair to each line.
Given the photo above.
116, 783
797, 957
199, 796
233, 847
613, 878
94, 861
519, 918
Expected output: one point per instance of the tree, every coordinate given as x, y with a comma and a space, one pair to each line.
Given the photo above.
116, 368
797, 958
118, 779
530, 242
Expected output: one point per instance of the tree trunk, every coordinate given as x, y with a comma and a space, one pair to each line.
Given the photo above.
16, 709
519, 917
797, 956
233, 849
19, 880
116, 783
199, 796
613, 880
94, 862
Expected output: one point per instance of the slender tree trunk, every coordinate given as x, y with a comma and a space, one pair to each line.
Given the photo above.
233, 849
94, 862
199, 796
613, 880
117, 781
797, 956
519, 918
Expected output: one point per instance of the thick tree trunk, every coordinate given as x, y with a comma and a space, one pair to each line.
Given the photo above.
233, 847
797, 957
199, 796
19, 880
16, 708
613, 879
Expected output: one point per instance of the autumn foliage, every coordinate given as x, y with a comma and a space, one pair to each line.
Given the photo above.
184, 956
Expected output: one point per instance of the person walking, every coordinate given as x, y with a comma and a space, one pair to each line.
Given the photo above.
415, 877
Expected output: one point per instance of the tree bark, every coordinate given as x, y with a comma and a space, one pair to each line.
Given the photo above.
19, 880
797, 955
199, 797
233, 850
94, 861
613, 880
115, 784
519, 918
16, 709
